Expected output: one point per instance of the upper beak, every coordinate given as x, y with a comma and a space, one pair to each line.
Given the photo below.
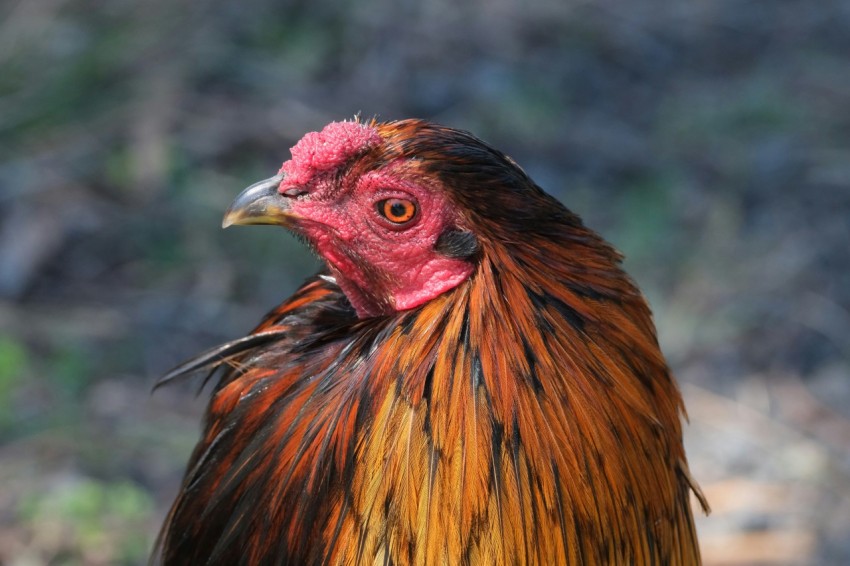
261, 203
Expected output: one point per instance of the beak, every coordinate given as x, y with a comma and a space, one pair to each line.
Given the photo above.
261, 203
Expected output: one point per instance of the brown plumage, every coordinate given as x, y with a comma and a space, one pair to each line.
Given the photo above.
474, 380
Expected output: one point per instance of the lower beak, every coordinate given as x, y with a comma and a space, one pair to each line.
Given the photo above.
261, 203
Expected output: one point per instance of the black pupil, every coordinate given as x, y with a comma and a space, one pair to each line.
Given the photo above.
398, 210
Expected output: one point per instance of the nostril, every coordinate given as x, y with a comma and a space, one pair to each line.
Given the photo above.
293, 192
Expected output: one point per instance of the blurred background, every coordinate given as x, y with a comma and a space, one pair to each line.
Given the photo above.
709, 140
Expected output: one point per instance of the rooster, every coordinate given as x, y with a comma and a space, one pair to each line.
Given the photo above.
473, 379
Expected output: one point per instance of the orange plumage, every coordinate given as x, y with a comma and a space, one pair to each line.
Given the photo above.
473, 381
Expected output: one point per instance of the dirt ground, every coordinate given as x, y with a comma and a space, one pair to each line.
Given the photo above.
708, 140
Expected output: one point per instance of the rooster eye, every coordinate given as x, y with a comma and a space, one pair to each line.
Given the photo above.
397, 210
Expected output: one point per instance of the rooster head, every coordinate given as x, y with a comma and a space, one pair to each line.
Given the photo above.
387, 227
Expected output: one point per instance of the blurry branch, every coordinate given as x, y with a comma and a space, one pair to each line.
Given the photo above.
25, 21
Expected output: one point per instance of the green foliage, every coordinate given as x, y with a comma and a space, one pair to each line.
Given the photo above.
14, 367
14, 361
92, 520
645, 219
70, 370
755, 107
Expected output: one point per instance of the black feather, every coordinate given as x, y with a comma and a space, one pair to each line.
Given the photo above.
214, 357
457, 244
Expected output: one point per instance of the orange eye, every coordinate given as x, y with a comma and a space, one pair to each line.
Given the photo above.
397, 210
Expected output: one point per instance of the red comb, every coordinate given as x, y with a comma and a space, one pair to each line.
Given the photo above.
319, 151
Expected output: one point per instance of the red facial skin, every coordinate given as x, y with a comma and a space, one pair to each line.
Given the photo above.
381, 266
